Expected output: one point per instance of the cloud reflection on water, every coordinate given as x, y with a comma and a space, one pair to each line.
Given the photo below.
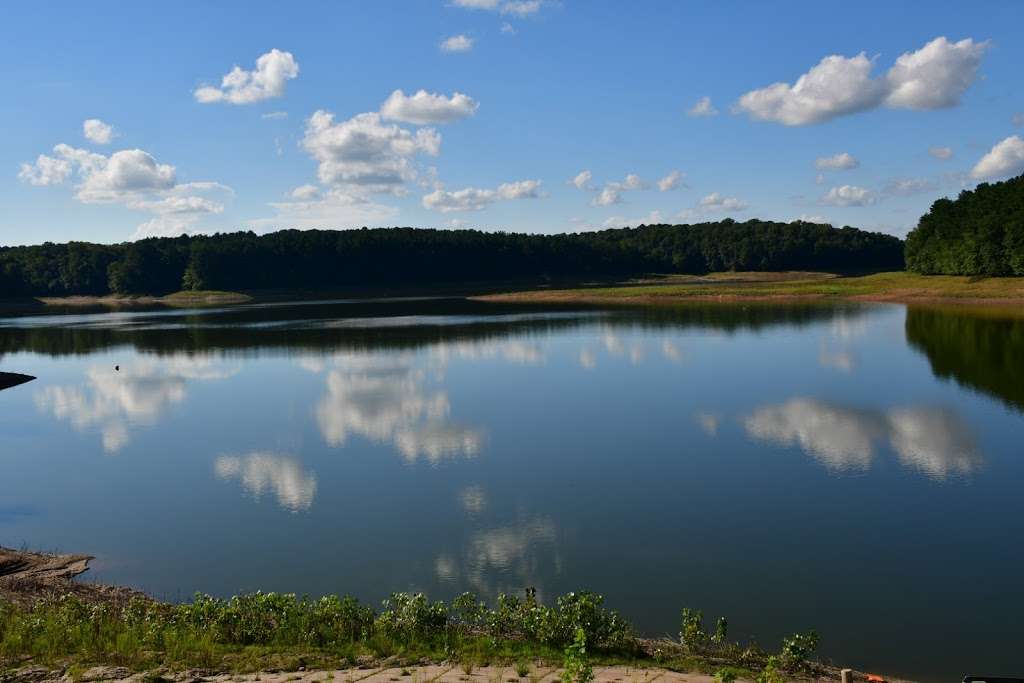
258, 472
934, 441
138, 394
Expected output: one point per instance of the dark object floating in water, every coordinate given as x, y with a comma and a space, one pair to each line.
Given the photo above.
13, 379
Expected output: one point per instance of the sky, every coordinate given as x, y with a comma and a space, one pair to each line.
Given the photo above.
128, 120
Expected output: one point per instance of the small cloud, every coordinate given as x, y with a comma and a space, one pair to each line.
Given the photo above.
267, 80
1018, 119
848, 195
582, 180
1005, 159
703, 108
904, 187
459, 43
941, 153
97, 131
274, 115
425, 108
843, 161
672, 181
717, 202
305, 193
611, 193
508, 29
521, 8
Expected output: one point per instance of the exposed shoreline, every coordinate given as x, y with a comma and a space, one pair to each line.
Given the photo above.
27, 577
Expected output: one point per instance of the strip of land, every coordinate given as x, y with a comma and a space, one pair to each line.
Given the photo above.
896, 287
54, 628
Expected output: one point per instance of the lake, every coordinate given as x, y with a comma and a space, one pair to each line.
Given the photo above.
856, 470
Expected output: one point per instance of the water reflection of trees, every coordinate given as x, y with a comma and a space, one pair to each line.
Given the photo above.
983, 350
405, 324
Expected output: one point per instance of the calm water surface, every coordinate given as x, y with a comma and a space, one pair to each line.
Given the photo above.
856, 470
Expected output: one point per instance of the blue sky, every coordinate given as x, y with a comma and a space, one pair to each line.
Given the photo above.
521, 98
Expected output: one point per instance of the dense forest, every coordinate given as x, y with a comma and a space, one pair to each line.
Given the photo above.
321, 259
981, 232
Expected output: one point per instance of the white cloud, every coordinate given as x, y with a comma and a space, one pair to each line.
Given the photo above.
1005, 159
652, 218
273, 70
423, 107
611, 193
672, 181
335, 210
305, 193
702, 108
716, 202
96, 131
365, 155
848, 195
518, 8
125, 173
274, 115
941, 153
904, 187
521, 8
476, 4
459, 43
810, 218
935, 76
508, 29
840, 161
582, 180
45, 171
474, 199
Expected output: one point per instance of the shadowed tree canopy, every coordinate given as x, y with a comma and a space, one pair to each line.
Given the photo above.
321, 259
981, 232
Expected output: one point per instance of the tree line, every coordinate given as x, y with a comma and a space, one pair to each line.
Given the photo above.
321, 259
981, 232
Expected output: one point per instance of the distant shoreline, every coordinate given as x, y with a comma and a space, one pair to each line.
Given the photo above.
896, 287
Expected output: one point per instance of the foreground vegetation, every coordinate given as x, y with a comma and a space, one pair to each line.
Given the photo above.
261, 630
325, 259
981, 232
906, 287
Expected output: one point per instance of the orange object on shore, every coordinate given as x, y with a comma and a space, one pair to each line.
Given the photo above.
873, 678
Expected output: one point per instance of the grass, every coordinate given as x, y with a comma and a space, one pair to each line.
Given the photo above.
270, 631
896, 286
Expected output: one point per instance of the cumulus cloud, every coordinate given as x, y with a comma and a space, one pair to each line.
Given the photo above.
518, 8
941, 153
45, 171
131, 177
672, 181
424, 108
459, 43
273, 70
933, 77
837, 162
474, 199
716, 202
1005, 159
364, 153
97, 131
582, 180
848, 195
305, 192
612, 192
702, 108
